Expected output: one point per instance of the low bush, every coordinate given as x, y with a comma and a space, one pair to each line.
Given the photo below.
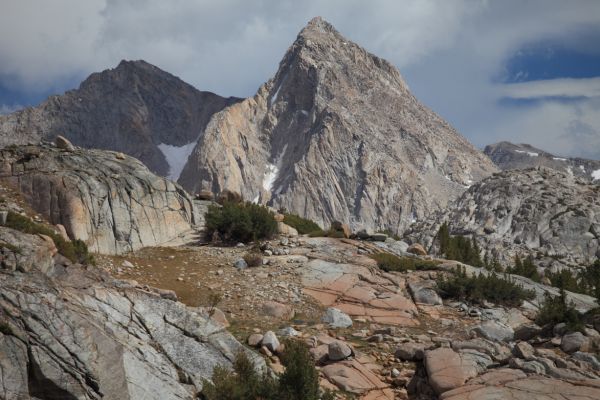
253, 259
75, 250
483, 287
241, 222
525, 268
328, 233
555, 309
5, 328
390, 262
459, 248
302, 225
300, 381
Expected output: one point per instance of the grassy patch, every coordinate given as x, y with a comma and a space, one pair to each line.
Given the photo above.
75, 250
302, 225
390, 262
483, 287
328, 233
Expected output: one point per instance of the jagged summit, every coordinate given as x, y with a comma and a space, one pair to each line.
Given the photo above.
336, 134
135, 108
507, 156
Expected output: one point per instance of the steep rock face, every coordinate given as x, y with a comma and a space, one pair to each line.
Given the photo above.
336, 135
73, 332
135, 108
508, 155
551, 215
110, 201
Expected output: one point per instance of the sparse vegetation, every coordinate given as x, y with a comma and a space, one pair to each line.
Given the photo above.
525, 268
490, 287
555, 309
5, 328
11, 247
459, 248
586, 281
242, 222
214, 299
328, 233
75, 250
302, 225
300, 381
390, 262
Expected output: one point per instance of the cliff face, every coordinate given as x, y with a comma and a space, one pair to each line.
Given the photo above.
508, 156
549, 214
135, 108
109, 200
336, 135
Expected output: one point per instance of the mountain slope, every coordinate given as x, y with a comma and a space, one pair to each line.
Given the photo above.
336, 135
508, 155
135, 108
542, 212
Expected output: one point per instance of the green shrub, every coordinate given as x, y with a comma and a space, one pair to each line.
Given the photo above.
390, 262
328, 233
566, 280
242, 222
5, 328
302, 225
458, 248
300, 381
243, 383
483, 287
253, 259
590, 280
525, 268
75, 250
555, 310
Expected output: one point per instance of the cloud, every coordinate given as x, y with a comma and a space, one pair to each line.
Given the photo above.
452, 53
563, 87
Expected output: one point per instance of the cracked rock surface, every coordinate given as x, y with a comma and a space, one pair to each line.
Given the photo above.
74, 332
110, 201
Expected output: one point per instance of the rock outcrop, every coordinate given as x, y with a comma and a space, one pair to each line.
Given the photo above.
508, 155
74, 332
135, 108
542, 212
336, 135
110, 201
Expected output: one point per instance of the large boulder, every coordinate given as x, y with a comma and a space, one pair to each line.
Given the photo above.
74, 332
448, 369
115, 205
575, 341
338, 350
493, 330
424, 292
336, 318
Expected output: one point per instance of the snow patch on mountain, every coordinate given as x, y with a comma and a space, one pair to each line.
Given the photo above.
176, 157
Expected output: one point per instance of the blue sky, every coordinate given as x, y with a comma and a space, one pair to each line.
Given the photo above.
519, 70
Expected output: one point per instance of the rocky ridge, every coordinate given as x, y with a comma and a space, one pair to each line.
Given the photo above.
336, 135
508, 155
551, 215
135, 108
109, 200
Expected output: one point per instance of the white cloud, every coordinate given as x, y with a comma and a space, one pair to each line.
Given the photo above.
450, 51
563, 87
